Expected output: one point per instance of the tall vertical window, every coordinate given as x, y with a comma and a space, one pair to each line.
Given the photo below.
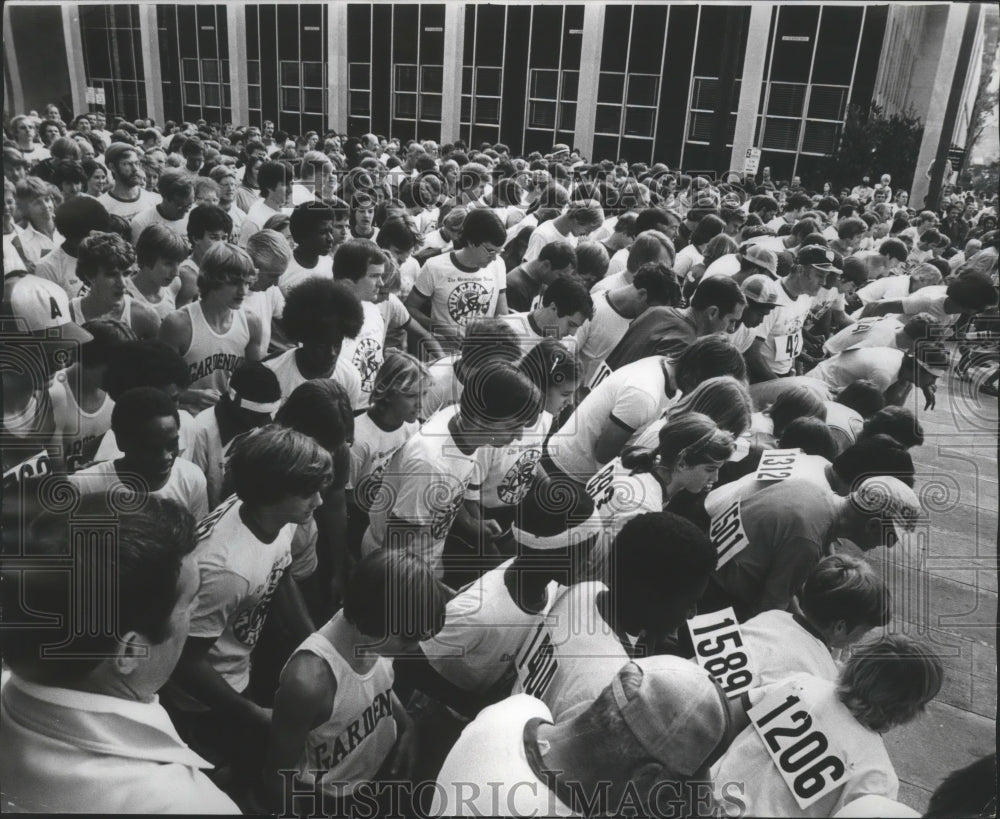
483, 73
417, 70
553, 75
112, 57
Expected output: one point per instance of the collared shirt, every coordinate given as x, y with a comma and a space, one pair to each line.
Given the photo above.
67, 751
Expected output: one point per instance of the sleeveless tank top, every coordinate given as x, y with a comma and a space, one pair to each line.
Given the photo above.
359, 734
164, 307
81, 431
76, 311
211, 358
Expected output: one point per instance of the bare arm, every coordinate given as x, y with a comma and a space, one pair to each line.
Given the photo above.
419, 306
882, 308
254, 352
756, 366
612, 440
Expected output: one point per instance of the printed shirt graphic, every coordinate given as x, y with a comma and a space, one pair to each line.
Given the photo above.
367, 351
459, 294
511, 469
371, 452
782, 331
239, 574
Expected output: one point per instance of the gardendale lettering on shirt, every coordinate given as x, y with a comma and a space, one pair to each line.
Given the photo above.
381, 707
210, 363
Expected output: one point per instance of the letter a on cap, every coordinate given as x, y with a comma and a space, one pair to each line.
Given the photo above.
54, 308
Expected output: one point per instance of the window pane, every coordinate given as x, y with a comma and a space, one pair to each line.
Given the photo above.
191, 70
542, 115
430, 106
226, 97
212, 96
466, 80
544, 84
567, 116
253, 72
782, 134
639, 121
225, 71
611, 88
192, 93
406, 106
359, 75
700, 127
253, 97
608, 119
706, 92
312, 100
786, 100
487, 111
820, 137
571, 81
643, 90
209, 70
488, 81
289, 73
359, 103
290, 100
406, 78
827, 103
431, 78
312, 75
466, 109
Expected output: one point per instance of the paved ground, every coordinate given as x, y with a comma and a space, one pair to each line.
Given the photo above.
944, 586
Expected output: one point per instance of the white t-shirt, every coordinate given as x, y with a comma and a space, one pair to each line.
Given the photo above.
728, 265
877, 331
687, 257
80, 432
617, 263
811, 468
877, 364
367, 351
425, 483
781, 330
296, 273
611, 281
599, 335
289, 376
780, 647
371, 452
510, 470
444, 387
888, 287
572, 655
545, 234
490, 754
59, 267
631, 397
128, 210
267, 305
185, 486
845, 424
207, 453
827, 299
255, 220
483, 630
930, 300
866, 761
459, 294
152, 216
239, 574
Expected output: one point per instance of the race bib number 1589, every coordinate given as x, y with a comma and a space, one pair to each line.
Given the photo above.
719, 649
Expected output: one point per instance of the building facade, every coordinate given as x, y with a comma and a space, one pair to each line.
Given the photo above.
692, 86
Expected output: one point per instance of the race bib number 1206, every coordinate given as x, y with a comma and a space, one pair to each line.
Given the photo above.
719, 649
798, 746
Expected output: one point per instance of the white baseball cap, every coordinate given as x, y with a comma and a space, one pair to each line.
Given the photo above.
39, 305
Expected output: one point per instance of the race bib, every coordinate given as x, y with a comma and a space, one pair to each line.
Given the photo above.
776, 465
799, 747
602, 372
727, 534
536, 663
719, 649
787, 347
601, 487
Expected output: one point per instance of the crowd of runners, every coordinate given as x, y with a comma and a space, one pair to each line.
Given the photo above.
347, 476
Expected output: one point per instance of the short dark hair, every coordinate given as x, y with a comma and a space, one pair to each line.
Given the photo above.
394, 593
144, 364
77, 217
151, 538
862, 396
708, 357
500, 394
707, 228
103, 251
652, 219
811, 435
483, 225
569, 296
353, 258
136, 407
486, 340
159, 242
717, 291
274, 462
271, 174
319, 309
306, 219
558, 254
204, 219
874, 456
897, 422
659, 282
321, 409
398, 231
660, 552
843, 587
894, 249
973, 291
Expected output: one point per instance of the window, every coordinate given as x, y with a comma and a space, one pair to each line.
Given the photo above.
550, 92
202, 84
804, 118
705, 100
417, 91
481, 95
359, 83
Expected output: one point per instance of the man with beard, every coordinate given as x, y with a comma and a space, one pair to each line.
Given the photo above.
127, 196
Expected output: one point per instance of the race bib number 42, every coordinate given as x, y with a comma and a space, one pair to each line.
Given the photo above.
776, 465
798, 746
719, 649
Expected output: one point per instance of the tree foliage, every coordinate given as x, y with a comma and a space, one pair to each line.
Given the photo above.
872, 144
